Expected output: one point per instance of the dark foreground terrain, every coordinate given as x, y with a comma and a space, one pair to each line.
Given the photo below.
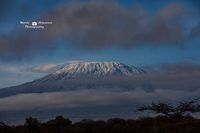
170, 119
160, 124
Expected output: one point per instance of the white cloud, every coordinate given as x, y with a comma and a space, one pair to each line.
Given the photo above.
46, 68
91, 98
11, 75
9, 69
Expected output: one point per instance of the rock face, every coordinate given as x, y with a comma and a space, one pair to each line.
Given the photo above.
80, 75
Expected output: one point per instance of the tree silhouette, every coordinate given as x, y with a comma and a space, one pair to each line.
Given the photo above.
158, 124
32, 125
185, 108
58, 124
59, 121
4, 128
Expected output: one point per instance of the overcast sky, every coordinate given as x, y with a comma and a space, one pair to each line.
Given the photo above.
137, 32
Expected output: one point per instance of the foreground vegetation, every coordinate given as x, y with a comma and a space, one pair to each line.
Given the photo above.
170, 119
116, 125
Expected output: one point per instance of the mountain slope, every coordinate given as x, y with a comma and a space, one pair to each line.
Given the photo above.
80, 75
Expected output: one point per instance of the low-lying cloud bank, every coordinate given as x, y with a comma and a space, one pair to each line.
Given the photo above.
85, 98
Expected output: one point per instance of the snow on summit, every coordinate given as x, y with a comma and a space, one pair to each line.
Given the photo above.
78, 69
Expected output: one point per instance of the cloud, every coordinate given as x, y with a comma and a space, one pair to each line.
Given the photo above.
181, 76
182, 68
84, 98
11, 75
10, 10
9, 69
46, 68
195, 31
97, 25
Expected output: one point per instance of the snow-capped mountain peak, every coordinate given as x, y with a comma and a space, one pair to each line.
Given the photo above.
97, 69
80, 75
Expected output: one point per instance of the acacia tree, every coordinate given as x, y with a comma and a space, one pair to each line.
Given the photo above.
185, 108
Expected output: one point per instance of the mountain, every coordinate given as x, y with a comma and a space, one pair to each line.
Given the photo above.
79, 75
95, 69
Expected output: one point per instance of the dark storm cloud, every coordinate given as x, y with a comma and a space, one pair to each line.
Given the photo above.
97, 25
195, 31
11, 9
181, 76
23, 45
187, 68
179, 68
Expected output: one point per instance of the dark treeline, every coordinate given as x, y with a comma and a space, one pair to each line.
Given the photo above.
160, 124
169, 119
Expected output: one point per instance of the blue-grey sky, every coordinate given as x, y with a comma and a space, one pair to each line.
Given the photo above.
137, 32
